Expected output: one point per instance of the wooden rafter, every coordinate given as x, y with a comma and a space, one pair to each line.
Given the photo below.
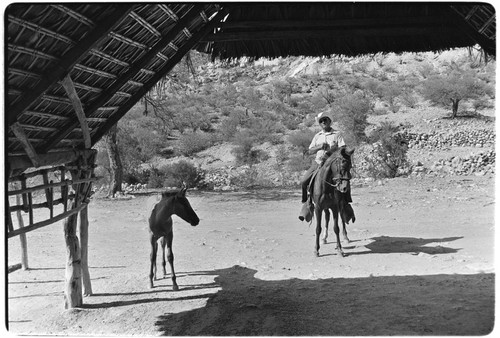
160, 74
23, 162
71, 58
69, 87
133, 70
18, 130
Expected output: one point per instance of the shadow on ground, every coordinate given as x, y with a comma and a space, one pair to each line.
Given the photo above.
388, 244
392, 305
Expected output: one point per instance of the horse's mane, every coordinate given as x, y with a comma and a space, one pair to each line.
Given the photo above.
169, 193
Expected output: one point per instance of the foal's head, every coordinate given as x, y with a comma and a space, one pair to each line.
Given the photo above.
182, 207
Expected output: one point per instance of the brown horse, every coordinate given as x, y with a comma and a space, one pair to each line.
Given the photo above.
330, 186
160, 226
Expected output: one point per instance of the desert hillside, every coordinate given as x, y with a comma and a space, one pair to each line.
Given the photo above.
287, 94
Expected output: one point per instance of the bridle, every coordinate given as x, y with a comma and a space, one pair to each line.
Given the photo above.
337, 180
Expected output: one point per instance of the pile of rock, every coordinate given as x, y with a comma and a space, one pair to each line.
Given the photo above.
463, 138
128, 188
474, 164
218, 179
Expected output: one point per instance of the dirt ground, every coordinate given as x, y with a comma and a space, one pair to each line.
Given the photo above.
421, 262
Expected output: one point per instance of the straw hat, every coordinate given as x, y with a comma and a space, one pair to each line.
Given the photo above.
321, 115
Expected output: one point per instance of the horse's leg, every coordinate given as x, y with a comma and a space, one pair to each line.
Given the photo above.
343, 215
337, 232
344, 232
152, 271
327, 221
318, 230
163, 242
170, 257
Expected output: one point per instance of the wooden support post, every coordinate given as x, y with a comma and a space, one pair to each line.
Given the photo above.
64, 190
73, 276
48, 193
10, 226
84, 240
22, 238
25, 197
30, 206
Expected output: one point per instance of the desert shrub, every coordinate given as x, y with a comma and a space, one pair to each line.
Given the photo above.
136, 175
301, 139
372, 86
360, 67
426, 69
389, 152
352, 114
155, 178
298, 163
389, 91
245, 152
409, 99
246, 179
292, 122
229, 126
482, 103
191, 143
176, 174
390, 68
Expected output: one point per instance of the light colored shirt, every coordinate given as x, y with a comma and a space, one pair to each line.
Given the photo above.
332, 138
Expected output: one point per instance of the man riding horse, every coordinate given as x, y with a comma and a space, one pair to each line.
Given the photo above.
324, 143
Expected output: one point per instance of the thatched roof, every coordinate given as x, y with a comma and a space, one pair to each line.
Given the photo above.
74, 69
273, 30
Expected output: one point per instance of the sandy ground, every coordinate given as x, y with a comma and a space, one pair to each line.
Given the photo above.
421, 262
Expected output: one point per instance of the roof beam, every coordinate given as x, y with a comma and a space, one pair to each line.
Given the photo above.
18, 130
23, 162
134, 69
422, 20
69, 87
71, 58
160, 74
323, 34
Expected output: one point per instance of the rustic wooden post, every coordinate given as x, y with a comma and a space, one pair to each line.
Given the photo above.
48, 193
22, 237
73, 277
84, 239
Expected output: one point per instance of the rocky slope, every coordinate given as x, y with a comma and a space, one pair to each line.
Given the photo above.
437, 144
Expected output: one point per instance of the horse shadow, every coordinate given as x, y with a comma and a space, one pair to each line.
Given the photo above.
385, 305
412, 245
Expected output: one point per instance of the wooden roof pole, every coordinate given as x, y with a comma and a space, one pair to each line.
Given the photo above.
69, 87
28, 147
71, 58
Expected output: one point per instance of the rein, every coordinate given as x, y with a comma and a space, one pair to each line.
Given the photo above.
336, 180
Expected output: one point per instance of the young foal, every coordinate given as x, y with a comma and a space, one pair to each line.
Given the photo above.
160, 226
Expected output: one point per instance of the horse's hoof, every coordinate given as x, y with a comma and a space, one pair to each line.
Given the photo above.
175, 287
316, 253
